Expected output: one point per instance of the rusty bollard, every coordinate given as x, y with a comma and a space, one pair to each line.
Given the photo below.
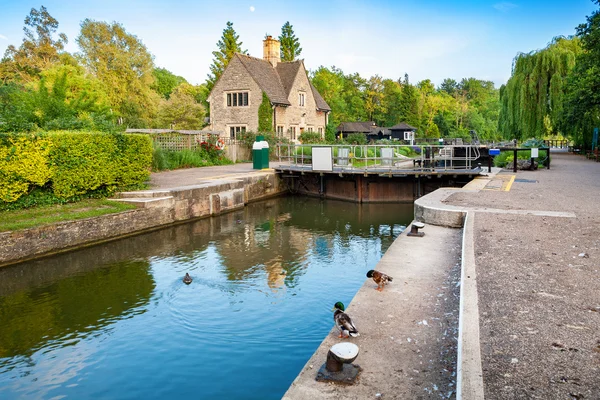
414, 229
338, 367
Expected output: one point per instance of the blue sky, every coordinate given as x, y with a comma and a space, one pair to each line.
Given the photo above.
426, 39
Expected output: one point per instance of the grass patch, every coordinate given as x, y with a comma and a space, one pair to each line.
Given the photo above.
46, 215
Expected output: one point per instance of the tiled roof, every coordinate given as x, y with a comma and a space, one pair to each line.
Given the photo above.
278, 82
287, 72
265, 76
321, 103
403, 126
364, 127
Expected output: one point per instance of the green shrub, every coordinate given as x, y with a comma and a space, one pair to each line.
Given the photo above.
506, 158
23, 163
356, 138
71, 164
310, 137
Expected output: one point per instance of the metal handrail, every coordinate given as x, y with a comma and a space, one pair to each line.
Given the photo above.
371, 157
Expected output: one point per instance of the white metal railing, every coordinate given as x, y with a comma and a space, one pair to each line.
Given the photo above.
381, 158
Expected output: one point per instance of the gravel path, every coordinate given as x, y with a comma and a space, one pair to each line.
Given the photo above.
539, 283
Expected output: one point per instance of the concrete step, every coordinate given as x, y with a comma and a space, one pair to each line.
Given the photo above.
148, 202
142, 194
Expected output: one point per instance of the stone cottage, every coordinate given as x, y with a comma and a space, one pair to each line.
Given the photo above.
236, 96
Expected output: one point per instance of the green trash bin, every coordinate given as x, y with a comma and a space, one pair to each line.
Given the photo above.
257, 158
265, 154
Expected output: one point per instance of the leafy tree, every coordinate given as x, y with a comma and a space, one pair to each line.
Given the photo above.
228, 45
536, 89
391, 103
124, 65
449, 86
181, 111
290, 45
64, 98
16, 108
374, 99
409, 103
38, 51
265, 115
165, 82
581, 111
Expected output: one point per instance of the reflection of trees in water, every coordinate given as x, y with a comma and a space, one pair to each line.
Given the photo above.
74, 306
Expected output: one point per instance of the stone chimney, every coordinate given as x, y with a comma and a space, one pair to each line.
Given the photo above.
271, 51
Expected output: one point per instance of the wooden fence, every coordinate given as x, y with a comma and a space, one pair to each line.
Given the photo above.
177, 140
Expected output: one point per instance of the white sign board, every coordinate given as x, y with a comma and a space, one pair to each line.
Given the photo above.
321, 159
534, 152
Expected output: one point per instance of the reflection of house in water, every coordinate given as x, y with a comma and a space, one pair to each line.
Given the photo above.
278, 248
275, 274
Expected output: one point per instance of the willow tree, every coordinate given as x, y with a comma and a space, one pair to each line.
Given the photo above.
532, 99
581, 113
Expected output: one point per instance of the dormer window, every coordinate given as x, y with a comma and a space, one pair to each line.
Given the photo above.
238, 99
301, 99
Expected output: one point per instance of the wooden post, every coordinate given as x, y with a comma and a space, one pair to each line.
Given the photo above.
515, 160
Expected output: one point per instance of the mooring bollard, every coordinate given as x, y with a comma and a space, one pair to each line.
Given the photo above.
338, 367
414, 229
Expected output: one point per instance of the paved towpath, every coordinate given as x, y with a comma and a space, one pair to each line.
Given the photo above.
537, 259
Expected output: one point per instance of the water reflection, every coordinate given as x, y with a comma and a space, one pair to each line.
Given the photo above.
70, 321
72, 307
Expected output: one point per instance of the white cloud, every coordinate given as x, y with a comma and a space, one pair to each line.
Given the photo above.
252, 8
3, 37
505, 6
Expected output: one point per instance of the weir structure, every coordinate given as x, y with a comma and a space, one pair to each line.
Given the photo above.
376, 173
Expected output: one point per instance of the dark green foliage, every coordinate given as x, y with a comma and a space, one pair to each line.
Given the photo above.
265, 115
228, 45
290, 45
356, 138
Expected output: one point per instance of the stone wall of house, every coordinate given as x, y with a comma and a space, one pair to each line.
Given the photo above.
300, 117
235, 78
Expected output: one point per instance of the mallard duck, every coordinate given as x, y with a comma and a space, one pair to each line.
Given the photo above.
380, 278
343, 321
187, 279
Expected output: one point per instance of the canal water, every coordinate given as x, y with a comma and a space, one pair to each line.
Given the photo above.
115, 321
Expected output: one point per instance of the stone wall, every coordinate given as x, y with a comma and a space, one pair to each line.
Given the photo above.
171, 206
301, 117
235, 78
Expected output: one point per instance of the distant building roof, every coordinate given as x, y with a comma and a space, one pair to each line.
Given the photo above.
356, 127
402, 126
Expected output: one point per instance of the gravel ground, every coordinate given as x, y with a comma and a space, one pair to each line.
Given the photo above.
539, 283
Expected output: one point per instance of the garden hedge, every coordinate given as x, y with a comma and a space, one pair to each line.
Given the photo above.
72, 163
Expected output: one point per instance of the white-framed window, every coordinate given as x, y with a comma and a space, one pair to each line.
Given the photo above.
280, 130
237, 99
293, 133
309, 129
234, 130
301, 99
320, 130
